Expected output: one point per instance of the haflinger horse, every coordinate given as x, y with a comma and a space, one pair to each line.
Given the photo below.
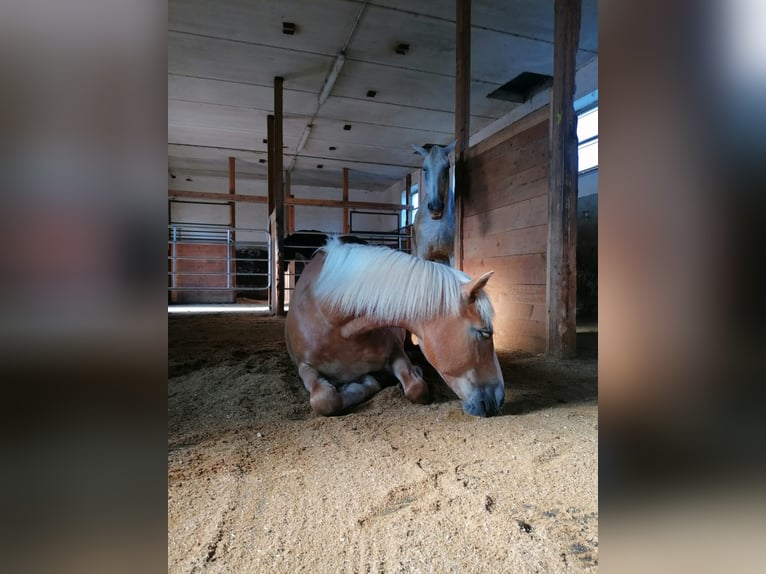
347, 319
434, 227
300, 247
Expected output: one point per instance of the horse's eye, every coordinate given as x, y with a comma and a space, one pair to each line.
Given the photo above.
484, 333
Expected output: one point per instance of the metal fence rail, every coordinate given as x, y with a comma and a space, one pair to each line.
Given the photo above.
218, 263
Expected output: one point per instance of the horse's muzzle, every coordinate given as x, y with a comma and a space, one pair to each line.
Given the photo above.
486, 401
436, 209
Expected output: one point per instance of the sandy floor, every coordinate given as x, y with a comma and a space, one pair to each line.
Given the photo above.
258, 483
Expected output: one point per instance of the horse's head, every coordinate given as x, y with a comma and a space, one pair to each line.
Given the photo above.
436, 180
461, 348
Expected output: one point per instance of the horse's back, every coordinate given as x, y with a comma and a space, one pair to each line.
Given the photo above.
313, 334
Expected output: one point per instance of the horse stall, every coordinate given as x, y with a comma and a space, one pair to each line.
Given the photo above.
505, 227
412, 469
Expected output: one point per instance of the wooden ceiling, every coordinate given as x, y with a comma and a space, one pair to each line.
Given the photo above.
223, 56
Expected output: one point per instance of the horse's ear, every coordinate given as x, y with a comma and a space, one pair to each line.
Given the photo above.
448, 149
471, 289
421, 150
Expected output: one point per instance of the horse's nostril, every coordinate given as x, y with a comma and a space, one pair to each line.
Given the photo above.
486, 401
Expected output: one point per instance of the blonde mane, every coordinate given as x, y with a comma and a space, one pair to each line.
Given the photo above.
365, 280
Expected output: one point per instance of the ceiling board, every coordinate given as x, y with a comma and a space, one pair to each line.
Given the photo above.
223, 56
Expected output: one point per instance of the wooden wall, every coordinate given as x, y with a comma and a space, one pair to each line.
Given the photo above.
505, 228
209, 259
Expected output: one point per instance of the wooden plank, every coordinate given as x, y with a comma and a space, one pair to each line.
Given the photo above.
232, 204
462, 118
509, 190
345, 200
517, 242
214, 250
527, 213
290, 207
525, 302
278, 215
223, 197
514, 340
349, 204
506, 133
537, 132
562, 229
462, 76
512, 272
518, 293
270, 163
515, 161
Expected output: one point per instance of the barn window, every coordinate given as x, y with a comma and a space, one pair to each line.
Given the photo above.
587, 138
414, 196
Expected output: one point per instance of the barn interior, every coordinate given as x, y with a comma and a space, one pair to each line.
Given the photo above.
288, 116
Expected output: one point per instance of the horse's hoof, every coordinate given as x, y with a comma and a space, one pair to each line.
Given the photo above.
418, 393
326, 402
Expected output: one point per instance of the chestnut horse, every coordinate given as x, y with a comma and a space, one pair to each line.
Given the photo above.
433, 233
347, 319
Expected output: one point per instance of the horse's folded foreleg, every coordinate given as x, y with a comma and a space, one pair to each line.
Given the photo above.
411, 377
328, 400
355, 393
324, 398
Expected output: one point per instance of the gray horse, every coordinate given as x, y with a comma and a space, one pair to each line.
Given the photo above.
433, 233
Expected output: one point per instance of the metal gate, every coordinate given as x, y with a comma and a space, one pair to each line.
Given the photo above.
218, 264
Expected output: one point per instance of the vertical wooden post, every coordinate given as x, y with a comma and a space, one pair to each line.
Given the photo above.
345, 199
290, 208
289, 265
270, 210
232, 191
171, 255
562, 184
233, 225
270, 163
462, 117
278, 231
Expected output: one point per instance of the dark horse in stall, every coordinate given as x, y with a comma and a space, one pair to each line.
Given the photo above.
301, 246
434, 227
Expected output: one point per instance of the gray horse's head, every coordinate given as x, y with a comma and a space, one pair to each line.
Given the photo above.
436, 179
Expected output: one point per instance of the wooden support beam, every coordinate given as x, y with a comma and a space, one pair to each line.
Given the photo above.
345, 201
290, 207
232, 194
278, 145
562, 184
463, 76
462, 117
223, 197
278, 215
270, 163
371, 205
233, 224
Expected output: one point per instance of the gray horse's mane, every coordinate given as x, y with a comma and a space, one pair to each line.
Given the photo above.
366, 280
